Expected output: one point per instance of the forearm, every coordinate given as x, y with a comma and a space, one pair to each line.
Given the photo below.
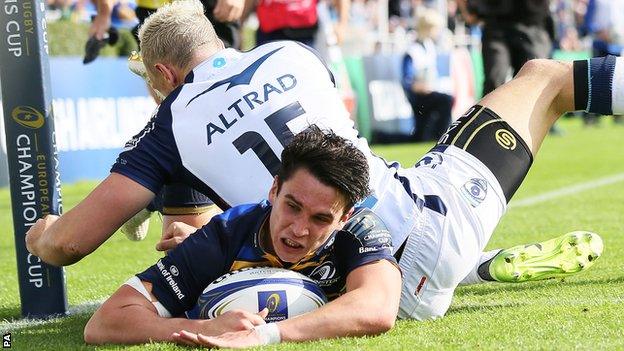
85, 227
128, 317
369, 307
71, 237
354, 314
134, 324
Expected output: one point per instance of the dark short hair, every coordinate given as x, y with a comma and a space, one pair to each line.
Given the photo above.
332, 159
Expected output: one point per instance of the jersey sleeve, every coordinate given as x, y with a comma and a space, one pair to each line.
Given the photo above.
364, 239
180, 277
151, 157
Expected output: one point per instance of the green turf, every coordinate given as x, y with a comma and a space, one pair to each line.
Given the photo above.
583, 312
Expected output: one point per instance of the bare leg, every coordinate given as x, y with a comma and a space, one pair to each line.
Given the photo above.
531, 102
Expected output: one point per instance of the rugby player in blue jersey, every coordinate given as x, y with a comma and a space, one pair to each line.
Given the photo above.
228, 115
301, 228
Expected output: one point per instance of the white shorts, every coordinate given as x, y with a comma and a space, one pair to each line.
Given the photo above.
461, 205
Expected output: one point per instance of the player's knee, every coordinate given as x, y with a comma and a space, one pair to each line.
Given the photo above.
545, 68
428, 307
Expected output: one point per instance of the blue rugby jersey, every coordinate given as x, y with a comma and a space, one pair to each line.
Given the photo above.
230, 241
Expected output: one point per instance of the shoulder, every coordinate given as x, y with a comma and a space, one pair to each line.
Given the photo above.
368, 230
294, 53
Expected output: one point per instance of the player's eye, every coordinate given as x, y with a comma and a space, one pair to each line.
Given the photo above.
322, 219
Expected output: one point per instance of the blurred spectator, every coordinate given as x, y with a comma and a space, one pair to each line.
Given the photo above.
604, 21
431, 108
76, 10
514, 31
293, 19
566, 26
224, 15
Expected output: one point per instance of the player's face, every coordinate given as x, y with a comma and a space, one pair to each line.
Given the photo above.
305, 213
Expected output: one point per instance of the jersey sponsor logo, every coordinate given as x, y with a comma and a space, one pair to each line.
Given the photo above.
475, 191
366, 249
28, 117
247, 103
168, 275
174, 271
330, 242
431, 160
325, 274
377, 239
243, 78
218, 62
324, 271
378, 235
505, 139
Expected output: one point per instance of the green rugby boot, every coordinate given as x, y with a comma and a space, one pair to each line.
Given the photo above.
559, 257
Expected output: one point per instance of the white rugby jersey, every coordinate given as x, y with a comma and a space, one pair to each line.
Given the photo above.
223, 131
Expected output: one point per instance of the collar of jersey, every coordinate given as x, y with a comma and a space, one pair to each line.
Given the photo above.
206, 69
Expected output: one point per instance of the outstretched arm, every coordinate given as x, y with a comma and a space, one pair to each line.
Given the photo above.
66, 239
369, 307
128, 317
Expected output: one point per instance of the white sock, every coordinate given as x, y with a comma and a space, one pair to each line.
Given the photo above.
474, 277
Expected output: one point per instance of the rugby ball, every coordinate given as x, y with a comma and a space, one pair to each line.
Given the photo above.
283, 292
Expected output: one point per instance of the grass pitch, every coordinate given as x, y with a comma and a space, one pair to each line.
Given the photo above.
585, 311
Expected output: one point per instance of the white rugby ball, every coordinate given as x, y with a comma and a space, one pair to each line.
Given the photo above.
284, 292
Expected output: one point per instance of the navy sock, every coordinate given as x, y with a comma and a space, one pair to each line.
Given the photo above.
594, 84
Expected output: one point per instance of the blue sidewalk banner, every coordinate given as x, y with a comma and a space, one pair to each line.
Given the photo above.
97, 109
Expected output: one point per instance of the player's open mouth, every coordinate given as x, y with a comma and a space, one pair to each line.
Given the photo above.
291, 244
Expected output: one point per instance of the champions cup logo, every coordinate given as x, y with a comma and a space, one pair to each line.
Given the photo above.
272, 303
276, 302
28, 117
505, 139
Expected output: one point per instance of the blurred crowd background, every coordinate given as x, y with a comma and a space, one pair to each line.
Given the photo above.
426, 43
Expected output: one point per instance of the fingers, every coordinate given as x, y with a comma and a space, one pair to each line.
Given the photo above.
175, 233
169, 244
99, 27
263, 314
212, 341
186, 338
191, 339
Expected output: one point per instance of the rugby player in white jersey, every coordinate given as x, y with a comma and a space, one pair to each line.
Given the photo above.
228, 115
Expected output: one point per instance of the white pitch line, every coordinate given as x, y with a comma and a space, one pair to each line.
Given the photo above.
569, 190
9, 327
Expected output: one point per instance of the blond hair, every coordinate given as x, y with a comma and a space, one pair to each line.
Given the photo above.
175, 32
427, 21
